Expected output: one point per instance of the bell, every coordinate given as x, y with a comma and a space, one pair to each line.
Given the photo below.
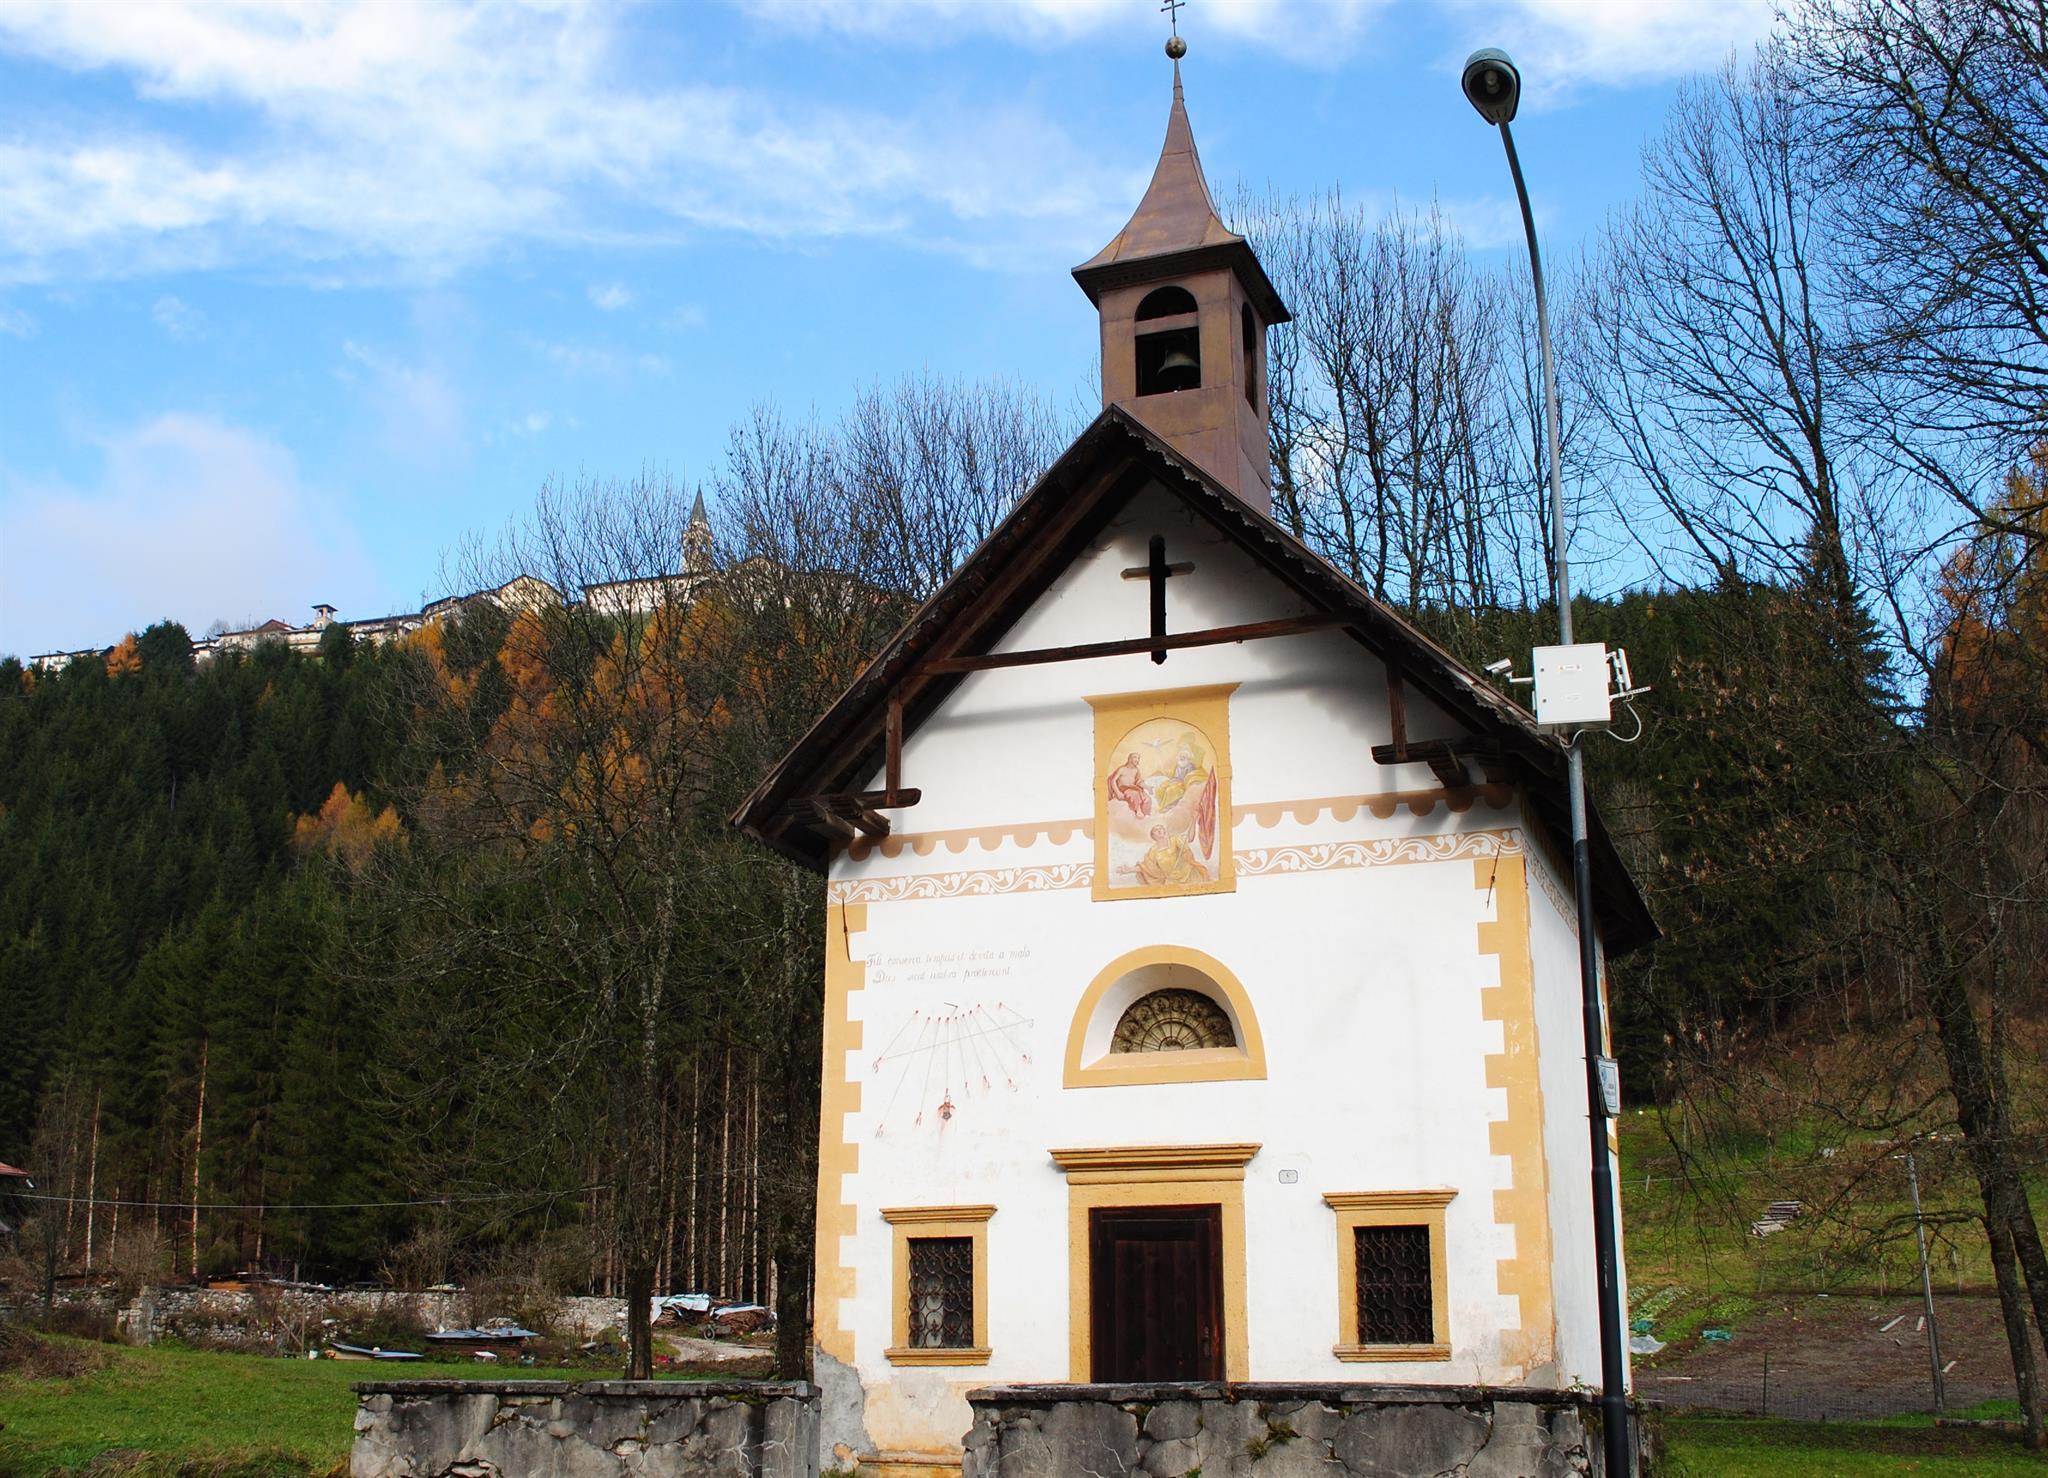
1179, 370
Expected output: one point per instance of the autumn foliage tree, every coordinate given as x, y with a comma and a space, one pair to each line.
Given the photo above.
347, 827
553, 918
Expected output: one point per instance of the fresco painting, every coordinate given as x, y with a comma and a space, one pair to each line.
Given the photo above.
1162, 800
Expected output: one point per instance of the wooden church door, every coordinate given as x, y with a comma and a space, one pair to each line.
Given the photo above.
1156, 1293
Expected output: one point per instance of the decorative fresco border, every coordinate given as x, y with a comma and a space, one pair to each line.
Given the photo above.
1378, 852
1384, 805
979, 884
1250, 862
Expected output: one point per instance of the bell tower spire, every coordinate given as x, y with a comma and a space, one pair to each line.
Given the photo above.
1185, 307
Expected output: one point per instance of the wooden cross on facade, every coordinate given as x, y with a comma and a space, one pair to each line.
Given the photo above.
1158, 571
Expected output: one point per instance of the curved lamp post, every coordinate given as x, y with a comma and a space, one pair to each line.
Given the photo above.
1494, 88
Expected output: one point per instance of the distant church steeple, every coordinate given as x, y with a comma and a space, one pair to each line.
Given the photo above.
697, 540
1185, 307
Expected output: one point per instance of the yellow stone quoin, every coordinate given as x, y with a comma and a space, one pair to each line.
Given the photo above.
1522, 1205
838, 1154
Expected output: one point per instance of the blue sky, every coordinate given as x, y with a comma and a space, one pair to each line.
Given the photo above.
295, 296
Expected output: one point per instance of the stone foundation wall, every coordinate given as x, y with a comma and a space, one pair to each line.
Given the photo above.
648, 1429
1281, 1431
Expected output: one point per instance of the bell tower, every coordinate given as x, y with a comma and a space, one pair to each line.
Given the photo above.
1185, 307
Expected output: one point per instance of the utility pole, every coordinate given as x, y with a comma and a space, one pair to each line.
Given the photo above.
1926, 1285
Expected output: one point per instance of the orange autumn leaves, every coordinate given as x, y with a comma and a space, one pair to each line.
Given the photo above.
1995, 589
346, 827
125, 659
596, 727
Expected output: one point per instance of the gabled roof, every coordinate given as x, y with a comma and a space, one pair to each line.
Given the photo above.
1176, 229
1107, 465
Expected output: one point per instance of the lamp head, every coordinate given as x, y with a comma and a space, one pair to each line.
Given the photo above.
1492, 84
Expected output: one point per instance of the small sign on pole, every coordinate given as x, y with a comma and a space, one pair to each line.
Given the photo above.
1610, 1086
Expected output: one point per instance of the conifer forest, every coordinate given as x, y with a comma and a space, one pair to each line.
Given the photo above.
426, 960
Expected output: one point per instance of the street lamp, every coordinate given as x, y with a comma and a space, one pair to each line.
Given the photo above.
1494, 88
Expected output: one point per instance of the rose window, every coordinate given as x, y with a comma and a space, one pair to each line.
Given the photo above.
1172, 1021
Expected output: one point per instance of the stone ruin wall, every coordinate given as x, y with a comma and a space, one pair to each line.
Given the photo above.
283, 1320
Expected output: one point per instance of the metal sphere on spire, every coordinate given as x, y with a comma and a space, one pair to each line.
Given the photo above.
1176, 47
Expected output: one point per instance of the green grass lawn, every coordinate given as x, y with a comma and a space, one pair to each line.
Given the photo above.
199, 1414
1685, 1223
1751, 1447
174, 1413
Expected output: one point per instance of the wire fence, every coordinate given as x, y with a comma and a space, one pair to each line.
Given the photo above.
1837, 1358
1752, 1388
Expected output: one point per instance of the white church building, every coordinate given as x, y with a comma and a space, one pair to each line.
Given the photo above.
1202, 995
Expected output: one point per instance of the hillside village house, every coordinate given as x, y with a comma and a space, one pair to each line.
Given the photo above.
1201, 995
634, 596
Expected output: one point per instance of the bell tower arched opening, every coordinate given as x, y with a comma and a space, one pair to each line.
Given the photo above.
1169, 351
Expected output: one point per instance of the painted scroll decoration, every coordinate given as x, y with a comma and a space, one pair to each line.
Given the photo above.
1162, 793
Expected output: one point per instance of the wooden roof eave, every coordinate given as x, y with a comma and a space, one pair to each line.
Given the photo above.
981, 601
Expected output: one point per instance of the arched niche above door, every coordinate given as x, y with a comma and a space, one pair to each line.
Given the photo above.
1164, 1014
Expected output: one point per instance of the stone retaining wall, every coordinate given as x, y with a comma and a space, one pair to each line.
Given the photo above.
283, 1320
593, 1429
1281, 1431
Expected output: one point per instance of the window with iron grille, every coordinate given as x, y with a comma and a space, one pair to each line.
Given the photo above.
941, 1293
1394, 1296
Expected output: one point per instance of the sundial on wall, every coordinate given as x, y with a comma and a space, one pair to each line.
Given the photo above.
949, 1061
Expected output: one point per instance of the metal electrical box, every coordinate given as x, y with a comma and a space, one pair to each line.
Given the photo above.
1572, 689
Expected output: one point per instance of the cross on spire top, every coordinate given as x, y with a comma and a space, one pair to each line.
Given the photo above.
1175, 46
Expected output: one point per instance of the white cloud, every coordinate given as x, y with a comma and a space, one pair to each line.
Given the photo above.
1564, 45
408, 140
355, 143
1571, 42
1320, 32
191, 518
420, 407
597, 359
177, 317
15, 323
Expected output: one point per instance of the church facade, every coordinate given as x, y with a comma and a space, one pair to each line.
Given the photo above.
1201, 996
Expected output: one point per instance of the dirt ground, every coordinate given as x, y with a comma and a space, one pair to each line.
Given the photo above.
1837, 1358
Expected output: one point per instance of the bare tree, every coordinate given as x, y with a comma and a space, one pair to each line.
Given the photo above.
1742, 397
1932, 118
567, 723
1406, 420
829, 536
1719, 328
